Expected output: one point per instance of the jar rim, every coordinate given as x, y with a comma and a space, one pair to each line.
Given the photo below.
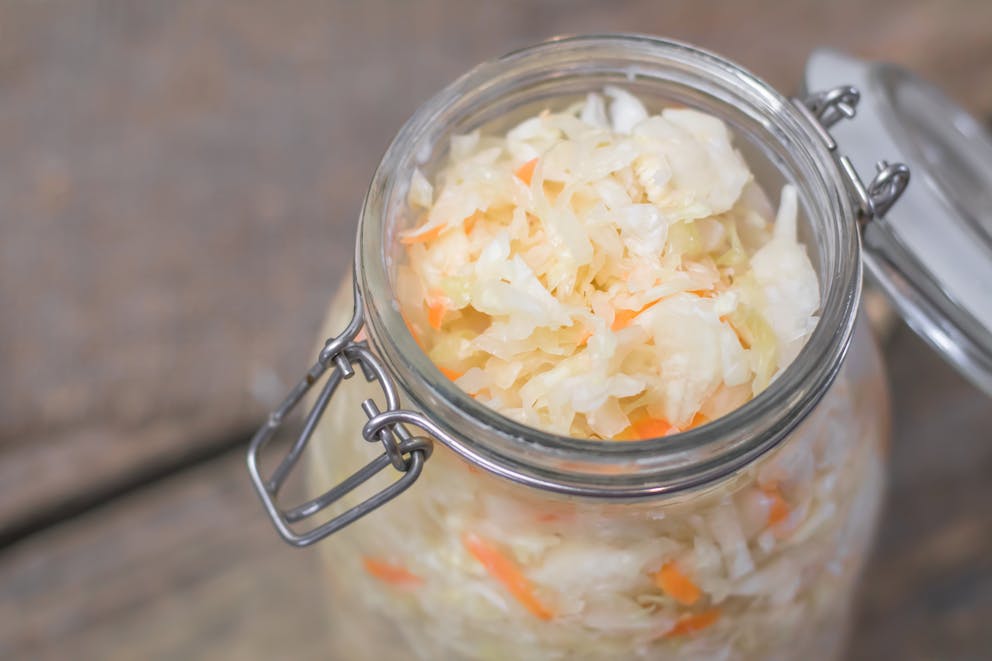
593, 467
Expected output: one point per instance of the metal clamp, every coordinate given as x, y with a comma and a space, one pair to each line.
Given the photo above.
401, 450
823, 110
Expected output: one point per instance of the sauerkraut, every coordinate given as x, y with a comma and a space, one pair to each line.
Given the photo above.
606, 273
774, 552
601, 272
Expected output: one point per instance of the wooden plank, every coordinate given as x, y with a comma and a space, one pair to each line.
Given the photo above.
928, 591
190, 569
181, 180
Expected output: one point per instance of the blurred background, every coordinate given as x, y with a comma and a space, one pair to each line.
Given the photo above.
179, 186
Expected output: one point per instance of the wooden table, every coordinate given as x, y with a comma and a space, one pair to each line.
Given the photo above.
179, 184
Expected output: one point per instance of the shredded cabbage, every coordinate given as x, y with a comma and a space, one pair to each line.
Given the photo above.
607, 273
770, 586
602, 266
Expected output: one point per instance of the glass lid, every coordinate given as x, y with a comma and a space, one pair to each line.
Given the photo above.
932, 252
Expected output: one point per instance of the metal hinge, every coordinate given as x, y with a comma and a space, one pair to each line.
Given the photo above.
823, 110
403, 451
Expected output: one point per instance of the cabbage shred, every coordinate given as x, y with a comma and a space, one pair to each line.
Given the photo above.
606, 273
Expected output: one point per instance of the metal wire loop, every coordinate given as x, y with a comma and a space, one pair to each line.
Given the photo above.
401, 450
889, 183
826, 108
833, 105
423, 444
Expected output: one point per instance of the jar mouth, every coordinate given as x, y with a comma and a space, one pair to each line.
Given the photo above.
574, 65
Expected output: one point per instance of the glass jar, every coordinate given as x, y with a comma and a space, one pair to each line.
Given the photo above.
515, 543
403, 584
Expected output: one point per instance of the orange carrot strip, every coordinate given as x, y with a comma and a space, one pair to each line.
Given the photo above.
560, 516
677, 585
391, 573
694, 622
505, 570
652, 428
584, 338
453, 375
622, 319
703, 293
698, 420
779, 510
435, 313
423, 237
526, 171
470, 221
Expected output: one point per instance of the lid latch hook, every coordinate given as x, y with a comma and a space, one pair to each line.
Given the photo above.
824, 109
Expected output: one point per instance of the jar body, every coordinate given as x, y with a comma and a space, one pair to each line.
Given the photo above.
774, 551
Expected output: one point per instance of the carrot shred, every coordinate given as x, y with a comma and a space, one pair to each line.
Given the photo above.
643, 427
647, 427
779, 510
526, 171
652, 428
622, 319
694, 622
392, 573
560, 516
677, 585
452, 375
470, 221
698, 420
703, 293
584, 338
423, 237
506, 571
435, 313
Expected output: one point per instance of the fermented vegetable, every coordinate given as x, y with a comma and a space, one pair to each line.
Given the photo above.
606, 275
603, 272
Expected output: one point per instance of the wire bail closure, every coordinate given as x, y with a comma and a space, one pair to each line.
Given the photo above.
826, 108
407, 453
403, 451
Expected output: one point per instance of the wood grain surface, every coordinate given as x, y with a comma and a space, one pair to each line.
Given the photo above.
179, 184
